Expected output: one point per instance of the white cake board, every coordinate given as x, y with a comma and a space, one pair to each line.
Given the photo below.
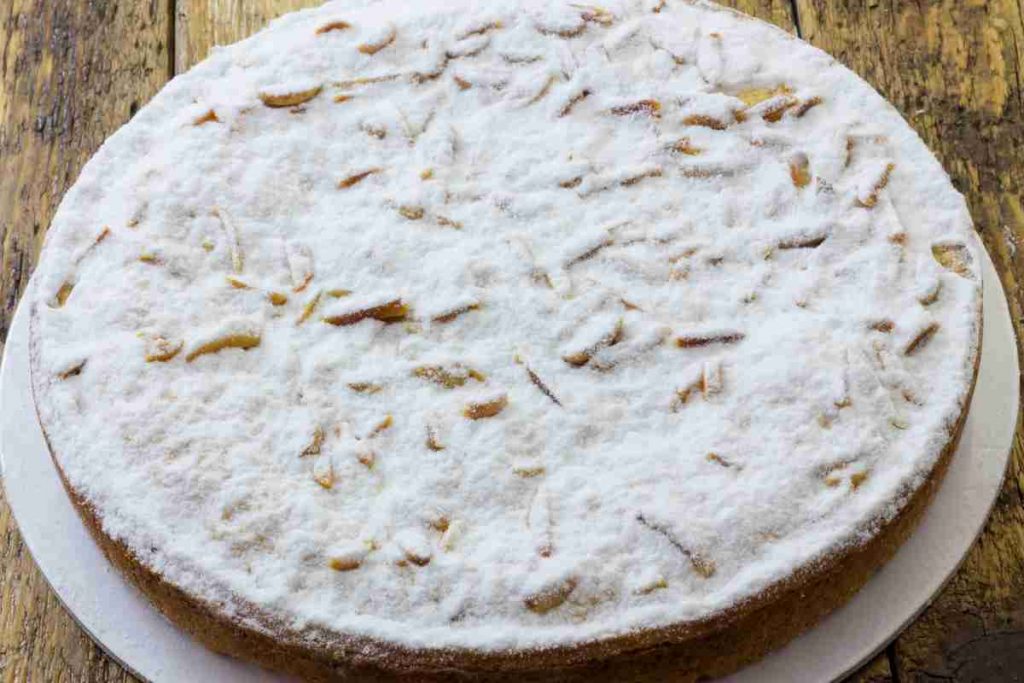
124, 623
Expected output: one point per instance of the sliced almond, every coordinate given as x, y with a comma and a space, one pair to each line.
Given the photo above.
806, 106
391, 311
309, 308
773, 111
449, 377
718, 460
414, 547
581, 356
372, 47
684, 146
870, 199
365, 387
433, 441
684, 395
367, 458
650, 586
800, 170
921, 339
325, 478
486, 408
161, 350
300, 264
543, 90
803, 242
374, 131
754, 96
651, 108
209, 117
954, 257
345, 563
72, 370
448, 222
62, 295
551, 596
596, 15
412, 213
234, 245
451, 535
704, 121
573, 101
528, 470
930, 295
702, 565
691, 341
315, 443
102, 235
481, 29
451, 315
712, 379
335, 25
468, 47
244, 341
540, 384
564, 30
357, 178
279, 99
368, 80
633, 179
385, 424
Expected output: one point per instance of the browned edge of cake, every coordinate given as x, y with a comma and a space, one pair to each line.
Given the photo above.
690, 651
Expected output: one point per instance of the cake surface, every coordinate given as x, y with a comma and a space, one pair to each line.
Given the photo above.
504, 326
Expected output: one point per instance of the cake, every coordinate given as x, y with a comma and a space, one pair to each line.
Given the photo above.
515, 339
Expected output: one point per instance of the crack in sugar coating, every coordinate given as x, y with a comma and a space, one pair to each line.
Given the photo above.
598, 317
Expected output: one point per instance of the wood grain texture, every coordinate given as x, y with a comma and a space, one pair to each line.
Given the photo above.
72, 71
201, 24
953, 68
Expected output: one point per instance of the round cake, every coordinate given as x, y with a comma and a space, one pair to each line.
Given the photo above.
509, 338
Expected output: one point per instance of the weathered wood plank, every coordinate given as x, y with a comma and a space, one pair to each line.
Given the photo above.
875, 671
201, 24
71, 72
779, 12
953, 67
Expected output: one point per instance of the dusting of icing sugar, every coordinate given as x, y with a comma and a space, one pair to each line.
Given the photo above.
504, 325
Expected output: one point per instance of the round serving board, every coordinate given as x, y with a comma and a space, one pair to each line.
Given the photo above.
124, 623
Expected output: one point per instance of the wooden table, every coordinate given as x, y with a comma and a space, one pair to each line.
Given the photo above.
72, 71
